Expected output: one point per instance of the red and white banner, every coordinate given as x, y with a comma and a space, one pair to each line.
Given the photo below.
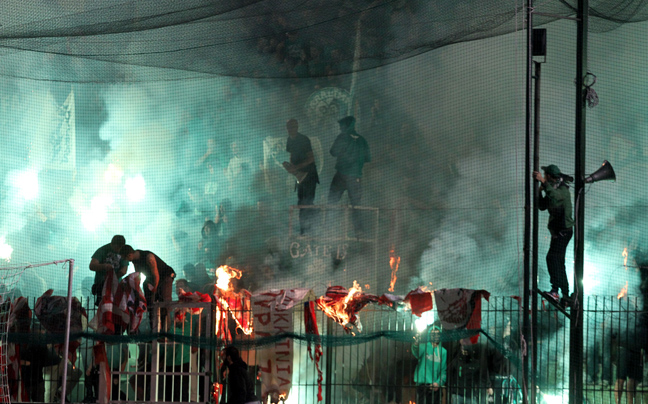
460, 308
273, 315
122, 305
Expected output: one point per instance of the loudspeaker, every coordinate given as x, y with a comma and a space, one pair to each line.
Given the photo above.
539, 42
606, 172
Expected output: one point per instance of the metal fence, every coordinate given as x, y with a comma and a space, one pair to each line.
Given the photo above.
182, 364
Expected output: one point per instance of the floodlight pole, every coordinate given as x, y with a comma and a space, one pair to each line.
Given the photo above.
526, 326
576, 322
533, 345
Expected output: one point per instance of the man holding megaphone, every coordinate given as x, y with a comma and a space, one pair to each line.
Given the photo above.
556, 198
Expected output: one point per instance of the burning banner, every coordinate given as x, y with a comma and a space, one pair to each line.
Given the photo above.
343, 306
273, 315
460, 308
231, 304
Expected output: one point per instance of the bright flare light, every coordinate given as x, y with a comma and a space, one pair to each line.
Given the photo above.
113, 174
135, 188
25, 183
424, 321
5, 249
590, 280
551, 399
97, 213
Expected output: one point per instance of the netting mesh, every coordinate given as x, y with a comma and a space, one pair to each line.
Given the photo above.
166, 120
261, 38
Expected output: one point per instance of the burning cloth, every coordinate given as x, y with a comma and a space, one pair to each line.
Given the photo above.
344, 305
273, 315
232, 314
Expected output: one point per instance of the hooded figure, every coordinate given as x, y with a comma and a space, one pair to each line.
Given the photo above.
430, 372
240, 386
557, 200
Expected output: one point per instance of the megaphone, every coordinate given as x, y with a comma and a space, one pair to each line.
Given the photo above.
604, 173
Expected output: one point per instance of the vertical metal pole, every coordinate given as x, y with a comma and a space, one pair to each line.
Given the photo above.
534, 249
66, 345
527, 200
328, 388
576, 323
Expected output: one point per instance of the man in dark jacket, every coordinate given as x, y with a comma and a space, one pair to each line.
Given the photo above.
302, 166
557, 200
469, 378
352, 152
240, 387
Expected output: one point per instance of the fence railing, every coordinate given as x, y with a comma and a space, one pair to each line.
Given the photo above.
180, 363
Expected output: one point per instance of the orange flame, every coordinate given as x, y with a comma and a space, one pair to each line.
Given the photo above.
355, 289
337, 309
624, 291
394, 262
224, 291
625, 258
282, 397
224, 274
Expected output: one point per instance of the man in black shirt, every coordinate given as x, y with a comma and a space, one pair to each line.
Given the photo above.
302, 166
107, 258
158, 285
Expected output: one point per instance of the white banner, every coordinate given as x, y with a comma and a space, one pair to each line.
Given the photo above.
273, 315
63, 138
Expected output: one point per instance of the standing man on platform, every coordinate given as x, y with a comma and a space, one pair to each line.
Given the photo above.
107, 258
302, 166
158, 285
351, 151
557, 200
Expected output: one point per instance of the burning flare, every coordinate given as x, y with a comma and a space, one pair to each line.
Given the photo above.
394, 262
624, 291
